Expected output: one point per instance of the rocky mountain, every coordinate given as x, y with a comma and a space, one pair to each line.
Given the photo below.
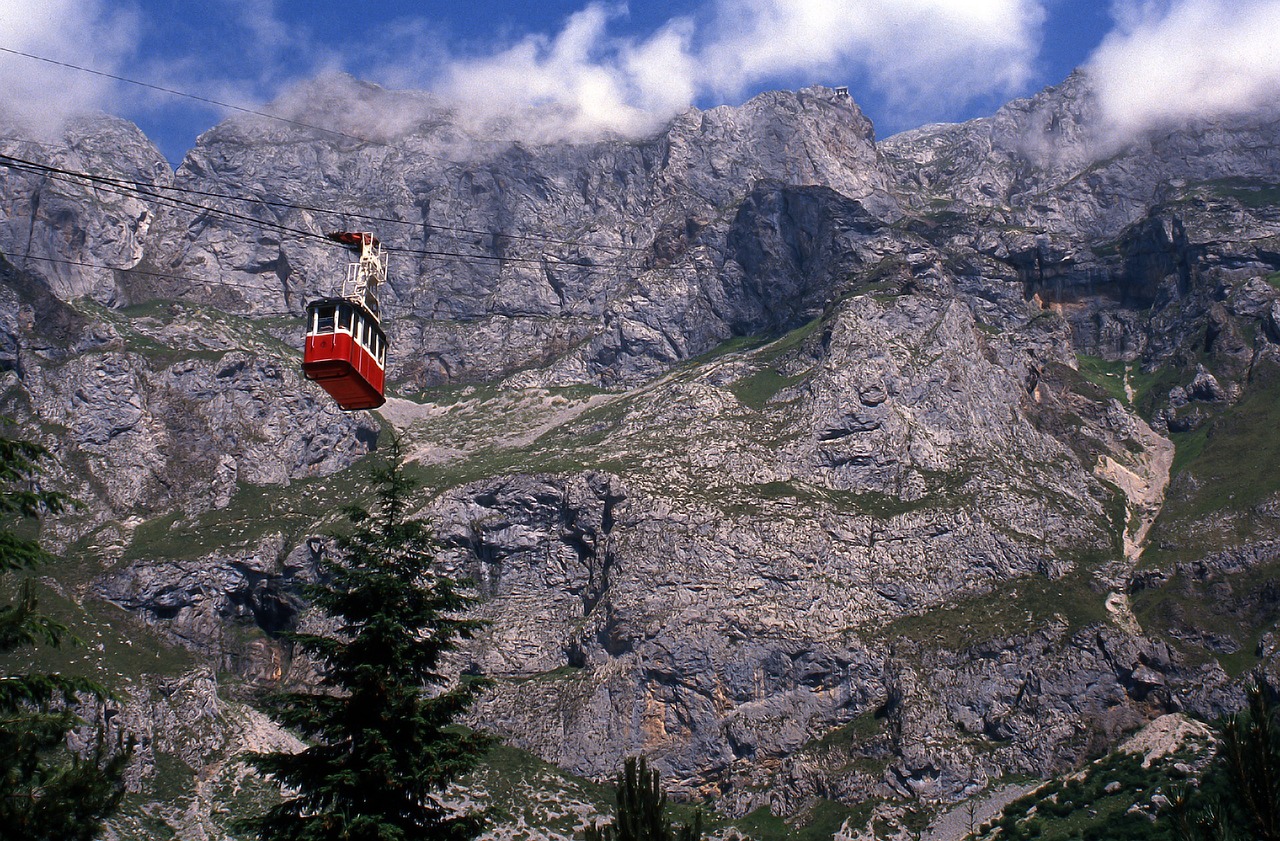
815, 467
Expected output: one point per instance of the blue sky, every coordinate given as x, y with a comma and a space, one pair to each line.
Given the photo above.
614, 66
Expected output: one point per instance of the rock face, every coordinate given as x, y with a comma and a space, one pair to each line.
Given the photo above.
809, 466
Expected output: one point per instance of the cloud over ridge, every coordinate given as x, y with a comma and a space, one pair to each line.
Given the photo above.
1169, 62
87, 32
919, 54
598, 73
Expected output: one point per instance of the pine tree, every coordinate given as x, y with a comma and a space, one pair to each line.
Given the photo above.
383, 742
1239, 795
641, 813
47, 793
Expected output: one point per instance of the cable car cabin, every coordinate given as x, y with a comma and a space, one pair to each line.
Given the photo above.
345, 353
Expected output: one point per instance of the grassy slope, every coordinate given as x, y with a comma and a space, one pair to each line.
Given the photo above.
1224, 478
1094, 805
589, 441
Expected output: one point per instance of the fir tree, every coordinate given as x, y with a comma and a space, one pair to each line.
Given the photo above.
46, 791
381, 733
641, 813
1239, 795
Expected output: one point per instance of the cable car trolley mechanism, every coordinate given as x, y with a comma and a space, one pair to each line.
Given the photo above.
346, 350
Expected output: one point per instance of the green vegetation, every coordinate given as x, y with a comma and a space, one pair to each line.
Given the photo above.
790, 341
862, 729
568, 430
1106, 374
1010, 608
1232, 460
1221, 496
141, 328
1117, 799
47, 792
112, 646
1094, 805
756, 390
515, 784
819, 822
753, 498
1240, 793
1250, 192
763, 825
729, 347
1218, 607
641, 813
1150, 386
381, 749
253, 513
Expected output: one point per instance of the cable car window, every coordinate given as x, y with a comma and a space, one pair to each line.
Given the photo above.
324, 319
359, 331
344, 318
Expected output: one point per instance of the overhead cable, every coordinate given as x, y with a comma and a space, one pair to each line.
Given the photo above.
532, 238
115, 185
183, 94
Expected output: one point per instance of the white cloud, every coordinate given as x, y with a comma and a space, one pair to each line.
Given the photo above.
1169, 62
922, 55
581, 82
926, 57
92, 33
244, 62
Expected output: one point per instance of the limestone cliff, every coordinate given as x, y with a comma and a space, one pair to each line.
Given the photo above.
806, 464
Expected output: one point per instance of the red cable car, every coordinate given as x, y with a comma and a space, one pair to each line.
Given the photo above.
346, 350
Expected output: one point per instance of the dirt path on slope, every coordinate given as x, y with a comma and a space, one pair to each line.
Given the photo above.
953, 825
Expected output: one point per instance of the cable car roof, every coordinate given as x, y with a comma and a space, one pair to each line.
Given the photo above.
354, 239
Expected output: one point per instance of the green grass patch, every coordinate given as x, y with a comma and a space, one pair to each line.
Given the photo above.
1081, 808
729, 347
107, 644
751, 499
516, 784
451, 394
1106, 374
1222, 606
1250, 192
158, 308
819, 822
756, 390
1188, 449
136, 324
1235, 458
824, 818
790, 341
1231, 460
763, 825
1151, 387
1011, 608
254, 512
862, 729
559, 673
